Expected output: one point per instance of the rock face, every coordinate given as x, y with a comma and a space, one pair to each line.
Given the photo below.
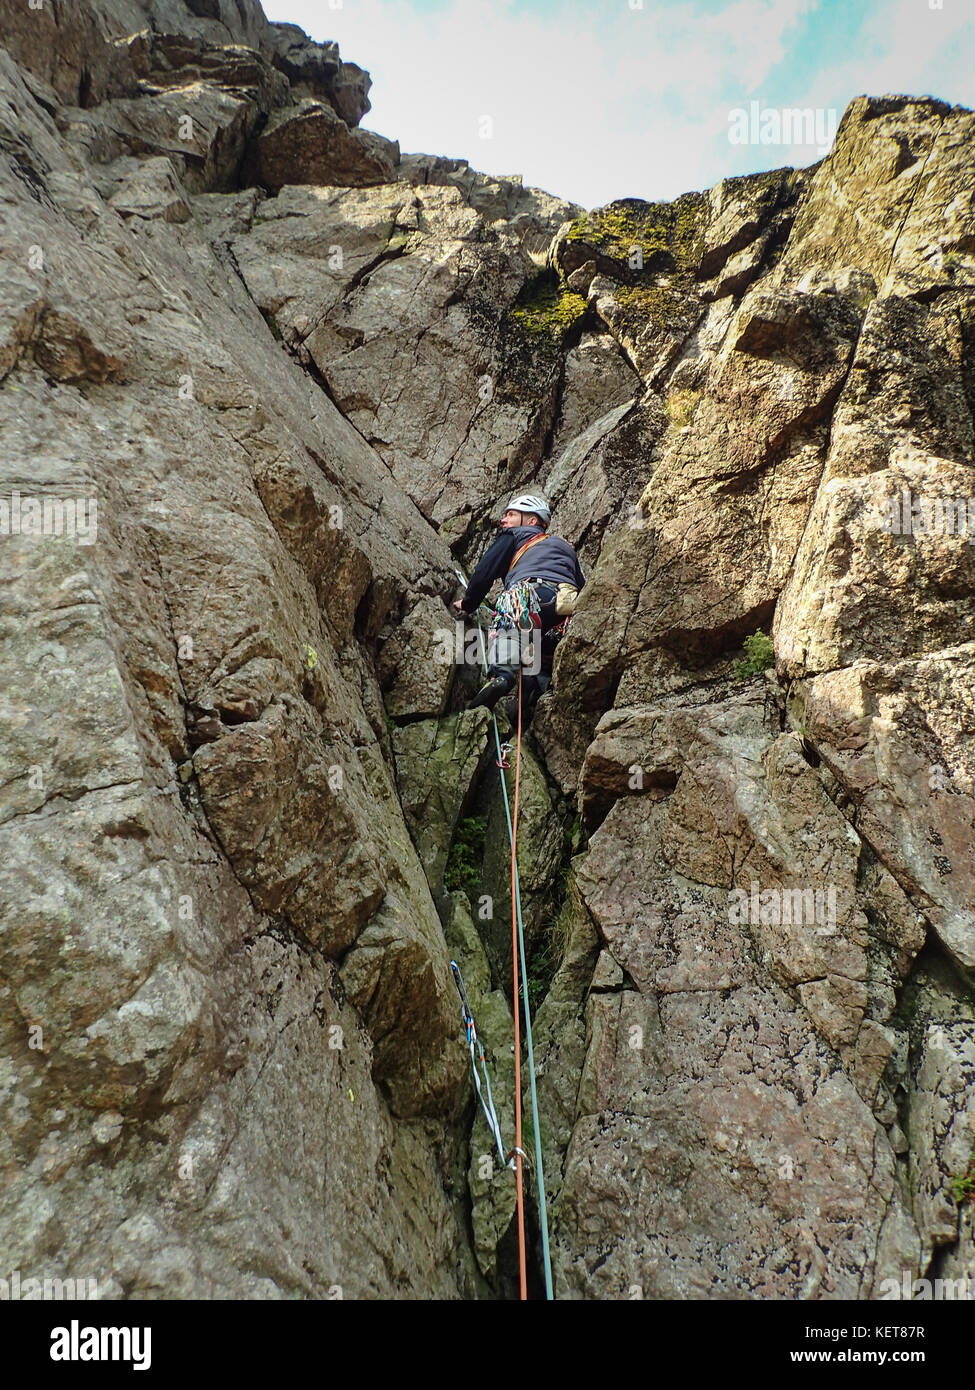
262, 380
738, 1020
409, 291
309, 143
213, 913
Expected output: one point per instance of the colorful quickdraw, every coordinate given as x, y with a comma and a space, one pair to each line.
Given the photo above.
478, 1054
518, 607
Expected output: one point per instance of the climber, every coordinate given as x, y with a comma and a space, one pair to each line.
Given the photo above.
541, 577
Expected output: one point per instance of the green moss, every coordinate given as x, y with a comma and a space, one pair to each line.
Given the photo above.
617, 225
465, 857
398, 239
680, 405
660, 306
759, 656
534, 332
674, 228
546, 309
655, 303
763, 186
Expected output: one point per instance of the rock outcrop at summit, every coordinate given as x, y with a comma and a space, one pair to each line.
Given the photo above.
286, 371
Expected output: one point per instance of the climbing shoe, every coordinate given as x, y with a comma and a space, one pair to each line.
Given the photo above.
489, 695
510, 707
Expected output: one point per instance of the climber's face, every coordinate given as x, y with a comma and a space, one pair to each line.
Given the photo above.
511, 518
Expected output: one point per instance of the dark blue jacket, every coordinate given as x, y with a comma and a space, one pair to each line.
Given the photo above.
552, 559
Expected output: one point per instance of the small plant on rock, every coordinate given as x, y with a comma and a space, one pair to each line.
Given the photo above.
759, 656
541, 972
963, 1184
463, 869
680, 405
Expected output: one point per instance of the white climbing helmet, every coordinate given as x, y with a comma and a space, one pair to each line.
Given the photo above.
530, 502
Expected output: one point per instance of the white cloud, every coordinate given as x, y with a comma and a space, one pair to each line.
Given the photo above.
755, 32
916, 50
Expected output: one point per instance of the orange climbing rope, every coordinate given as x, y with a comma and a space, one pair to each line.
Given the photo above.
522, 1260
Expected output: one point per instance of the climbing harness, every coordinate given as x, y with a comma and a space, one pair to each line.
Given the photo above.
478, 1054
517, 623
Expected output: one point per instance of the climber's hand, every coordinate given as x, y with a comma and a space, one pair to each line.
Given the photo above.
457, 605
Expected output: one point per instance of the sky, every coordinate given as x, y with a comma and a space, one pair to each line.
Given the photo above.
601, 99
